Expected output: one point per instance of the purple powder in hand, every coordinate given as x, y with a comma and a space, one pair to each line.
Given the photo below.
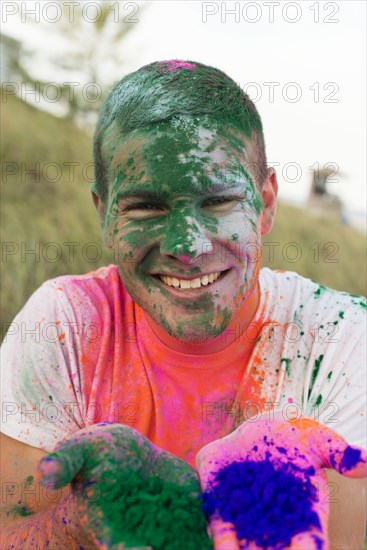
267, 505
350, 459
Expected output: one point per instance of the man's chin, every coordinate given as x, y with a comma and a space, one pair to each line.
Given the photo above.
199, 335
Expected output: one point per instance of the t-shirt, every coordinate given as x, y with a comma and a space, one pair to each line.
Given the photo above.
81, 351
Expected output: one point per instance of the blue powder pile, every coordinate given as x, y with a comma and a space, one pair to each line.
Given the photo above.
350, 459
267, 505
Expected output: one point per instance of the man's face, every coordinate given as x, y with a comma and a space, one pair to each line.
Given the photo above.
184, 220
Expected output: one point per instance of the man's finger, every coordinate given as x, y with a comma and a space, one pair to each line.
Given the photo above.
311, 541
333, 450
224, 535
349, 461
60, 467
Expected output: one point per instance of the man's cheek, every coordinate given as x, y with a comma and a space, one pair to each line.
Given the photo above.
108, 236
253, 251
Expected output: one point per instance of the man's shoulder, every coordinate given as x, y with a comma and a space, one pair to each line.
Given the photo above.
298, 293
104, 280
77, 295
98, 276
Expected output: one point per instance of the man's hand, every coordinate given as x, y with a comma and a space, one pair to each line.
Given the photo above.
126, 491
263, 485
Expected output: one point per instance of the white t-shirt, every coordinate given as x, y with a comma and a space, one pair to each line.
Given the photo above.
81, 351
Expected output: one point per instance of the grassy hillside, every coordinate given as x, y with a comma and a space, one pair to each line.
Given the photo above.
45, 208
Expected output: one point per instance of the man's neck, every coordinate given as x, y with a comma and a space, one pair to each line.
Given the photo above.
236, 331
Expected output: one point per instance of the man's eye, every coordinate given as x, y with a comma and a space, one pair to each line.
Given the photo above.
218, 201
141, 210
141, 206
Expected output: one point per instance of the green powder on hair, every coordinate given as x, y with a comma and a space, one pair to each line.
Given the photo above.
154, 513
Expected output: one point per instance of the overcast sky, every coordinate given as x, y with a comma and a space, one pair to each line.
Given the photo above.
310, 54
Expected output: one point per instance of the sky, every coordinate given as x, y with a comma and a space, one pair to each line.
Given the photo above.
302, 63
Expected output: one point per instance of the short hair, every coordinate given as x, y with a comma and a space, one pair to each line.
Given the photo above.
165, 89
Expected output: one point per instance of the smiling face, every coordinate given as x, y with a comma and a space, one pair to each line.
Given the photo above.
184, 219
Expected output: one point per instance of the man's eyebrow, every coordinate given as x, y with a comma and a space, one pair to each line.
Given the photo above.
149, 193
142, 193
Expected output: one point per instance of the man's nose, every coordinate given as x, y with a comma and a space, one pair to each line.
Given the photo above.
186, 239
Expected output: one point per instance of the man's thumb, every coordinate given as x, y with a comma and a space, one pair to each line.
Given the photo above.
333, 450
348, 460
61, 466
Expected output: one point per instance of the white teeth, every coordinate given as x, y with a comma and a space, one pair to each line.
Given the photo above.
205, 280
185, 284
193, 283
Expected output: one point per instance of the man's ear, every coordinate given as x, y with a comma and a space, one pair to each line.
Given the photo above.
269, 194
101, 209
98, 203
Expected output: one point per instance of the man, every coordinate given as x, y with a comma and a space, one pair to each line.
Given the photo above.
184, 339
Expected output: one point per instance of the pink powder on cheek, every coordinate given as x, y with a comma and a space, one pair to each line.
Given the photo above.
176, 65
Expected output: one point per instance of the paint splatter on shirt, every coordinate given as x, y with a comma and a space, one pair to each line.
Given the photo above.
84, 342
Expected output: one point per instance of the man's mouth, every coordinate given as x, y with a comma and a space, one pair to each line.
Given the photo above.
198, 282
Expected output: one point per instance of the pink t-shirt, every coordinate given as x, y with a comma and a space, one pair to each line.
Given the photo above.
81, 352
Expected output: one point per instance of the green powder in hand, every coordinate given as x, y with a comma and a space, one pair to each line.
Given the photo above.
154, 513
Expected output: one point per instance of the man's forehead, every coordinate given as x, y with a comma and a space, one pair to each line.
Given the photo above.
193, 156
204, 133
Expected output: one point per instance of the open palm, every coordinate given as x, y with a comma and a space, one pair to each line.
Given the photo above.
127, 492
264, 484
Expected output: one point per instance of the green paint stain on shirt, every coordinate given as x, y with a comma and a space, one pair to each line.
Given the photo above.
318, 400
362, 303
287, 365
320, 290
315, 372
358, 300
330, 375
341, 314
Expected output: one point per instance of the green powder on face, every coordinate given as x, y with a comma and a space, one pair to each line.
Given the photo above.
154, 513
